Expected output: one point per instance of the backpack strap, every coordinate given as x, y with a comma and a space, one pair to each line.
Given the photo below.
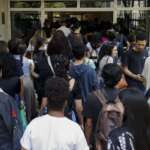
100, 97
50, 64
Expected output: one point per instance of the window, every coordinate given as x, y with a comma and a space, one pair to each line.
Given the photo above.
25, 4
134, 3
60, 4
96, 3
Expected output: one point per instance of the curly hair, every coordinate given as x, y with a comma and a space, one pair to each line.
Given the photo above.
57, 91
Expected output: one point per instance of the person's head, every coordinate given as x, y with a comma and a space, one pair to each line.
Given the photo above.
94, 40
75, 24
141, 41
57, 91
132, 39
3, 47
108, 49
79, 52
59, 44
111, 35
7, 66
137, 117
17, 46
66, 22
38, 44
47, 28
111, 74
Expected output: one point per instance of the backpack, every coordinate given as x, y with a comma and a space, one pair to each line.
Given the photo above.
11, 119
110, 117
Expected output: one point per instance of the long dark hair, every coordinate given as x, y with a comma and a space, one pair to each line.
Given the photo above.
106, 49
137, 117
59, 44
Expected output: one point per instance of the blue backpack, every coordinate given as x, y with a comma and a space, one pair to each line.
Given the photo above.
10, 116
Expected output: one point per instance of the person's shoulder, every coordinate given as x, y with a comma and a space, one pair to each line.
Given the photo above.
5, 98
129, 52
72, 125
148, 59
92, 97
120, 132
36, 121
13, 80
121, 137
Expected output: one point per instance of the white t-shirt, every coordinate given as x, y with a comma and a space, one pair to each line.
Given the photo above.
105, 60
146, 72
53, 133
26, 66
65, 30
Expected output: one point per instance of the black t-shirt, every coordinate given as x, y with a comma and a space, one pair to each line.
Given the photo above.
93, 106
135, 63
11, 86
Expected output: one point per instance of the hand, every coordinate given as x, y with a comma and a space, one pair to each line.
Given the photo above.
44, 103
140, 78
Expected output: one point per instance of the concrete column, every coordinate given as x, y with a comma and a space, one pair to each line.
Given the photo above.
5, 31
115, 12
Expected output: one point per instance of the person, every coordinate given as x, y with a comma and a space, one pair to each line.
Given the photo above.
106, 55
146, 73
148, 96
42, 69
111, 74
9, 82
65, 27
9, 120
93, 46
59, 44
16, 46
133, 62
75, 37
3, 47
136, 124
54, 131
53, 62
28, 87
8, 109
85, 78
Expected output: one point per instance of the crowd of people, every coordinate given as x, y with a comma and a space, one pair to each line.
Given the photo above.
75, 86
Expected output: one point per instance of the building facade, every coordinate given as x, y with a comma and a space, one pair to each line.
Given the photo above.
18, 14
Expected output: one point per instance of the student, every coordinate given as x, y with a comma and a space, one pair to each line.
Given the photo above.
16, 46
85, 78
136, 125
133, 62
112, 75
9, 82
10, 127
54, 131
29, 92
106, 55
65, 27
